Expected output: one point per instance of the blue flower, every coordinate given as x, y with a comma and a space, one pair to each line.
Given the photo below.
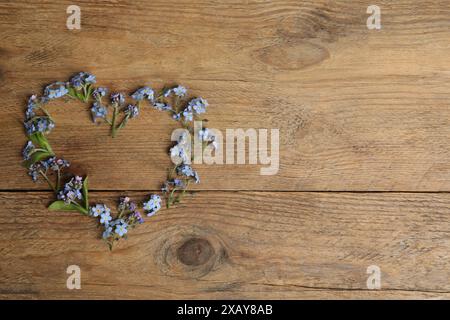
121, 229
179, 91
178, 183
33, 103
188, 115
98, 111
132, 111
107, 232
203, 134
71, 191
82, 79
105, 218
143, 93
62, 163
177, 116
51, 163
54, 164
132, 206
195, 106
90, 79
199, 105
117, 222
98, 93
175, 182
167, 92
137, 215
161, 106
42, 124
55, 90
97, 210
33, 171
180, 153
187, 171
117, 98
27, 150
152, 205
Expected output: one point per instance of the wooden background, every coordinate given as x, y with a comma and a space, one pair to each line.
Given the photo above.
364, 158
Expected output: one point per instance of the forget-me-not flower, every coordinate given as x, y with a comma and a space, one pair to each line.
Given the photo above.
121, 229
55, 90
99, 92
152, 205
98, 111
143, 93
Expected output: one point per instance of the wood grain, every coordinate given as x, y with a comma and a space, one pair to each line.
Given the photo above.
358, 110
234, 245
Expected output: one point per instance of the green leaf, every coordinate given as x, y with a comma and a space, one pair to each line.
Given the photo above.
60, 205
80, 96
35, 138
72, 92
85, 193
38, 156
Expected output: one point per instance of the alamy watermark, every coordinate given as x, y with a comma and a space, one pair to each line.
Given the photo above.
374, 279
74, 279
374, 21
74, 18
231, 151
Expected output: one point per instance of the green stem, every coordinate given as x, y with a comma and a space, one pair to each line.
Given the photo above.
46, 113
178, 199
169, 200
171, 173
85, 97
38, 149
58, 180
121, 214
72, 95
80, 208
123, 123
113, 125
176, 105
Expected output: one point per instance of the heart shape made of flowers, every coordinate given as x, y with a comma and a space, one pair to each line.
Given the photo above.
72, 193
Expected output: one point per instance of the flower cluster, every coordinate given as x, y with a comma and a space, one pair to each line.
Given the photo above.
56, 90
72, 191
144, 93
98, 111
99, 93
43, 167
195, 106
153, 205
181, 151
41, 124
81, 80
114, 229
80, 86
72, 195
132, 111
182, 174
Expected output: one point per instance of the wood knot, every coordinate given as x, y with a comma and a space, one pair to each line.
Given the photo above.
195, 252
293, 56
190, 251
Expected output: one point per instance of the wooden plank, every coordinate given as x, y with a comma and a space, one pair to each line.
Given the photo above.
358, 109
234, 245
